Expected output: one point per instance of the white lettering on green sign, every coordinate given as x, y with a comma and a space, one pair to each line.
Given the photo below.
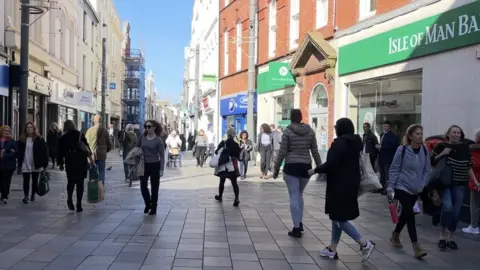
464, 25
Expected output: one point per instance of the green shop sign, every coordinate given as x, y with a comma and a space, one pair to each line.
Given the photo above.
277, 77
450, 30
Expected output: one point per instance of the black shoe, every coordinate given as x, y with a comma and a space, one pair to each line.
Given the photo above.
79, 208
5, 201
25, 200
32, 198
218, 198
153, 211
147, 209
236, 203
70, 205
383, 192
295, 233
452, 245
442, 245
301, 226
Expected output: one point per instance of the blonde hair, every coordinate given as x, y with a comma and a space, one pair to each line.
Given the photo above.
3, 128
410, 130
477, 134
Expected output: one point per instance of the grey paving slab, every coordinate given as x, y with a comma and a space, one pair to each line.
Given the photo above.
193, 231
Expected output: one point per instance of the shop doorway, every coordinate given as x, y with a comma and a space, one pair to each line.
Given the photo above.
318, 110
396, 98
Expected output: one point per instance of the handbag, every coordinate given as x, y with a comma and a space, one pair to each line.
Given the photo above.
43, 183
441, 176
215, 158
369, 179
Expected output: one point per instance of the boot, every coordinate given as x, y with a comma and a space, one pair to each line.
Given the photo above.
153, 210
419, 252
395, 240
70, 205
79, 207
295, 233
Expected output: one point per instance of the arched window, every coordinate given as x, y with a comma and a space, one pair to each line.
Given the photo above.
63, 37
53, 31
319, 98
73, 42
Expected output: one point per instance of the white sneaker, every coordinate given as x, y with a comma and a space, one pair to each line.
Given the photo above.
367, 251
328, 253
471, 230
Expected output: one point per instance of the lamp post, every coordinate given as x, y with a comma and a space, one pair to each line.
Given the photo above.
104, 74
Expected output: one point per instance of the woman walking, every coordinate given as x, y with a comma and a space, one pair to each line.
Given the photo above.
53, 136
246, 147
75, 159
459, 158
201, 143
265, 147
183, 148
153, 148
8, 159
128, 140
474, 188
32, 159
343, 182
408, 176
228, 166
298, 141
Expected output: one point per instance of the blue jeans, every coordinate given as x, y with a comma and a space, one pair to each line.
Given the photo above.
295, 186
452, 200
347, 227
101, 170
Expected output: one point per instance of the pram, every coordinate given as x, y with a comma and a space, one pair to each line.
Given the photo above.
174, 157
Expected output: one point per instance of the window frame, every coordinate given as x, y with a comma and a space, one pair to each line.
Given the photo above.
294, 24
365, 9
322, 21
225, 52
238, 45
272, 28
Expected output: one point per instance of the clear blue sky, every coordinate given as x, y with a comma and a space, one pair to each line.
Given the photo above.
162, 28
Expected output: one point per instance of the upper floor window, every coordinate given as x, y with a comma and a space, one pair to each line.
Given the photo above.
85, 26
238, 41
225, 53
294, 23
322, 13
227, 2
367, 8
272, 31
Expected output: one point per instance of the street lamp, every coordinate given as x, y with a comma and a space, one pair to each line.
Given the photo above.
104, 73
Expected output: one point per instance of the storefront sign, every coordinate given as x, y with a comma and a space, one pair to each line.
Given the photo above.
4, 82
450, 30
112, 86
84, 98
236, 105
39, 84
277, 77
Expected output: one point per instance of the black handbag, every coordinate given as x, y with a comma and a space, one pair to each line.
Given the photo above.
441, 176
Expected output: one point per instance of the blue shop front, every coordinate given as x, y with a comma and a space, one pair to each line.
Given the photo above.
233, 110
4, 93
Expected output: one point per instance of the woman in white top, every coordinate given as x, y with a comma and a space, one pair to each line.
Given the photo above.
174, 143
32, 158
265, 147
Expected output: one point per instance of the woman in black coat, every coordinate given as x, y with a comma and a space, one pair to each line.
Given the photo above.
343, 182
76, 162
53, 137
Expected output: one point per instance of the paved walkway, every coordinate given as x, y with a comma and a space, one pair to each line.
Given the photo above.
192, 231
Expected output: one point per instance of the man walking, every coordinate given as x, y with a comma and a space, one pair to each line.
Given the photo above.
277, 139
387, 148
99, 141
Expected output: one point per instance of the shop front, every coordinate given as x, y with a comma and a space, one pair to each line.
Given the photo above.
39, 89
313, 65
418, 68
233, 110
4, 90
276, 93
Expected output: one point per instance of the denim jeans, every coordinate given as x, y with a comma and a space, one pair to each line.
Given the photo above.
101, 170
347, 227
295, 186
243, 167
452, 200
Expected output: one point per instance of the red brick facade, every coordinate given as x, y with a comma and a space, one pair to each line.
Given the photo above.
346, 14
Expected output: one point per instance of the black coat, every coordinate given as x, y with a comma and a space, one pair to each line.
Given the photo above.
75, 160
40, 153
52, 142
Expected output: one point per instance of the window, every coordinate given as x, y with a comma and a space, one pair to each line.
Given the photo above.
58, 37
226, 2
92, 29
322, 13
85, 27
67, 46
294, 23
367, 8
238, 42
272, 31
84, 72
225, 53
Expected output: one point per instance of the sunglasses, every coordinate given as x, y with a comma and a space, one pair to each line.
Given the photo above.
148, 126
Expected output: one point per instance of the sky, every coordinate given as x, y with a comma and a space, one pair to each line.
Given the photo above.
162, 30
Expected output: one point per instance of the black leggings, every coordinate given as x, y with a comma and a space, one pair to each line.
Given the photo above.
407, 216
26, 183
5, 181
72, 181
54, 159
221, 186
152, 171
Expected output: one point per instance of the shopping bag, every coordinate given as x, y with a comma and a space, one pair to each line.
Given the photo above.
43, 183
369, 179
394, 211
95, 191
416, 208
214, 160
93, 173
175, 152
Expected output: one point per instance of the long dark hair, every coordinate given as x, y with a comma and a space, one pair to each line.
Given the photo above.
158, 128
69, 125
266, 128
24, 136
462, 135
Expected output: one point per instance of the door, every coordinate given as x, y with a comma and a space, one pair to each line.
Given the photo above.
318, 109
239, 122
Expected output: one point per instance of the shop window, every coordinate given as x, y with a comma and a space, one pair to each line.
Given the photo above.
294, 23
272, 31
283, 106
397, 99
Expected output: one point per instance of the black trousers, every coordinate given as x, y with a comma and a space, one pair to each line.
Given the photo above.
5, 181
152, 171
221, 186
200, 155
75, 180
384, 170
26, 183
407, 216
